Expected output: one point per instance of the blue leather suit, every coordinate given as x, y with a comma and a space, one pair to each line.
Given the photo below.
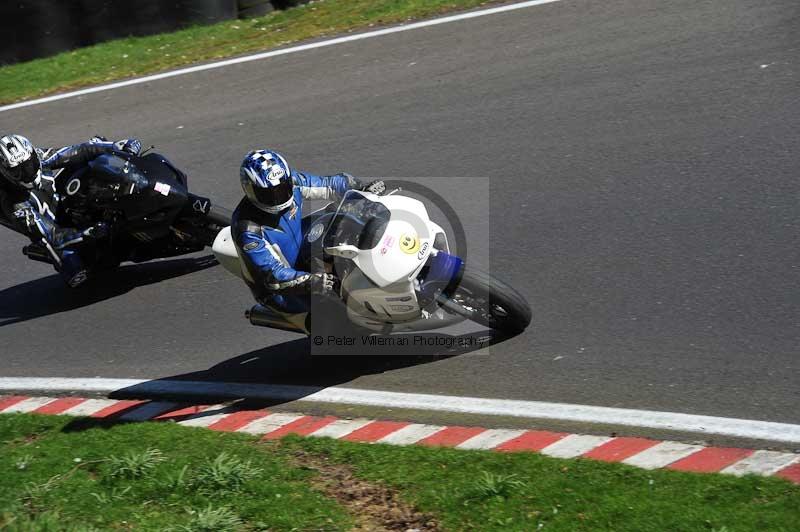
270, 244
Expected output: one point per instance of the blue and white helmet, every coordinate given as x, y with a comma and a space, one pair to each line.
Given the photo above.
19, 161
267, 181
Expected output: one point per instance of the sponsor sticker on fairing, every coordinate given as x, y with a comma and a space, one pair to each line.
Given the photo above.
388, 242
315, 232
422, 251
162, 188
409, 243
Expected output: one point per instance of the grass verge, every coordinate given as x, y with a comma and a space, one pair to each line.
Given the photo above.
151, 476
483, 490
138, 56
61, 474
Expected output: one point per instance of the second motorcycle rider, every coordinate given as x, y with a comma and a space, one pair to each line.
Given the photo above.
30, 196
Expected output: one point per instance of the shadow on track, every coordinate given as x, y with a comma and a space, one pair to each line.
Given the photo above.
280, 374
49, 295
292, 363
295, 366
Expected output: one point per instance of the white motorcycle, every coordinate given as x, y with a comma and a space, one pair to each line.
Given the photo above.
397, 273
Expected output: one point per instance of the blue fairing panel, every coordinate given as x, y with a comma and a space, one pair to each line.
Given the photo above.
442, 276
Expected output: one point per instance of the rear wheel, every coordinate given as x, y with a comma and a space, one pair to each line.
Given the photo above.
490, 302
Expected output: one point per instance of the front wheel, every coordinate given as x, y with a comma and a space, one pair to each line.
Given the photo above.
483, 299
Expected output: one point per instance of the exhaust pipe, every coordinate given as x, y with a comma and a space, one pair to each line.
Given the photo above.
262, 316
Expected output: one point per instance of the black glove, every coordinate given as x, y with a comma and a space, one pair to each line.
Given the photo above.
97, 231
324, 284
375, 187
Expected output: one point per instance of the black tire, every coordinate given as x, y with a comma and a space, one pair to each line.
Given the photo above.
483, 299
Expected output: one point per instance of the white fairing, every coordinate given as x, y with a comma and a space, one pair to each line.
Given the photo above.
394, 260
368, 304
225, 252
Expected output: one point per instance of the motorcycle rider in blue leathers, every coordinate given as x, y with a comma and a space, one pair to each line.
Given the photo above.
267, 228
29, 197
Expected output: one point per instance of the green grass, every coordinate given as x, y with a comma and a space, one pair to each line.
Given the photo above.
162, 476
152, 476
136, 56
486, 491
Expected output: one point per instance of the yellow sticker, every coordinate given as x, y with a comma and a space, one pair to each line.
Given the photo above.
409, 243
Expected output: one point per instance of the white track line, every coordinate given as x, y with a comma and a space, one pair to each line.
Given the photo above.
208, 416
489, 439
89, 407
761, 463
574, 445
283, 51
269, 423
340, 428
662, 455
28, 405
743, 428
411, 434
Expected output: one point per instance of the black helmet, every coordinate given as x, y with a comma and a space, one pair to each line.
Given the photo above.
19, 162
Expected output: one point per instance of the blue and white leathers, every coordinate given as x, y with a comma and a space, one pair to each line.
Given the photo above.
269, 244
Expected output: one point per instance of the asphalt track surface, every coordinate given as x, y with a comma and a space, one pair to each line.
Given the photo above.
643, 168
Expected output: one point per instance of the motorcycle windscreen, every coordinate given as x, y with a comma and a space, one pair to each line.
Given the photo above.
358, 222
